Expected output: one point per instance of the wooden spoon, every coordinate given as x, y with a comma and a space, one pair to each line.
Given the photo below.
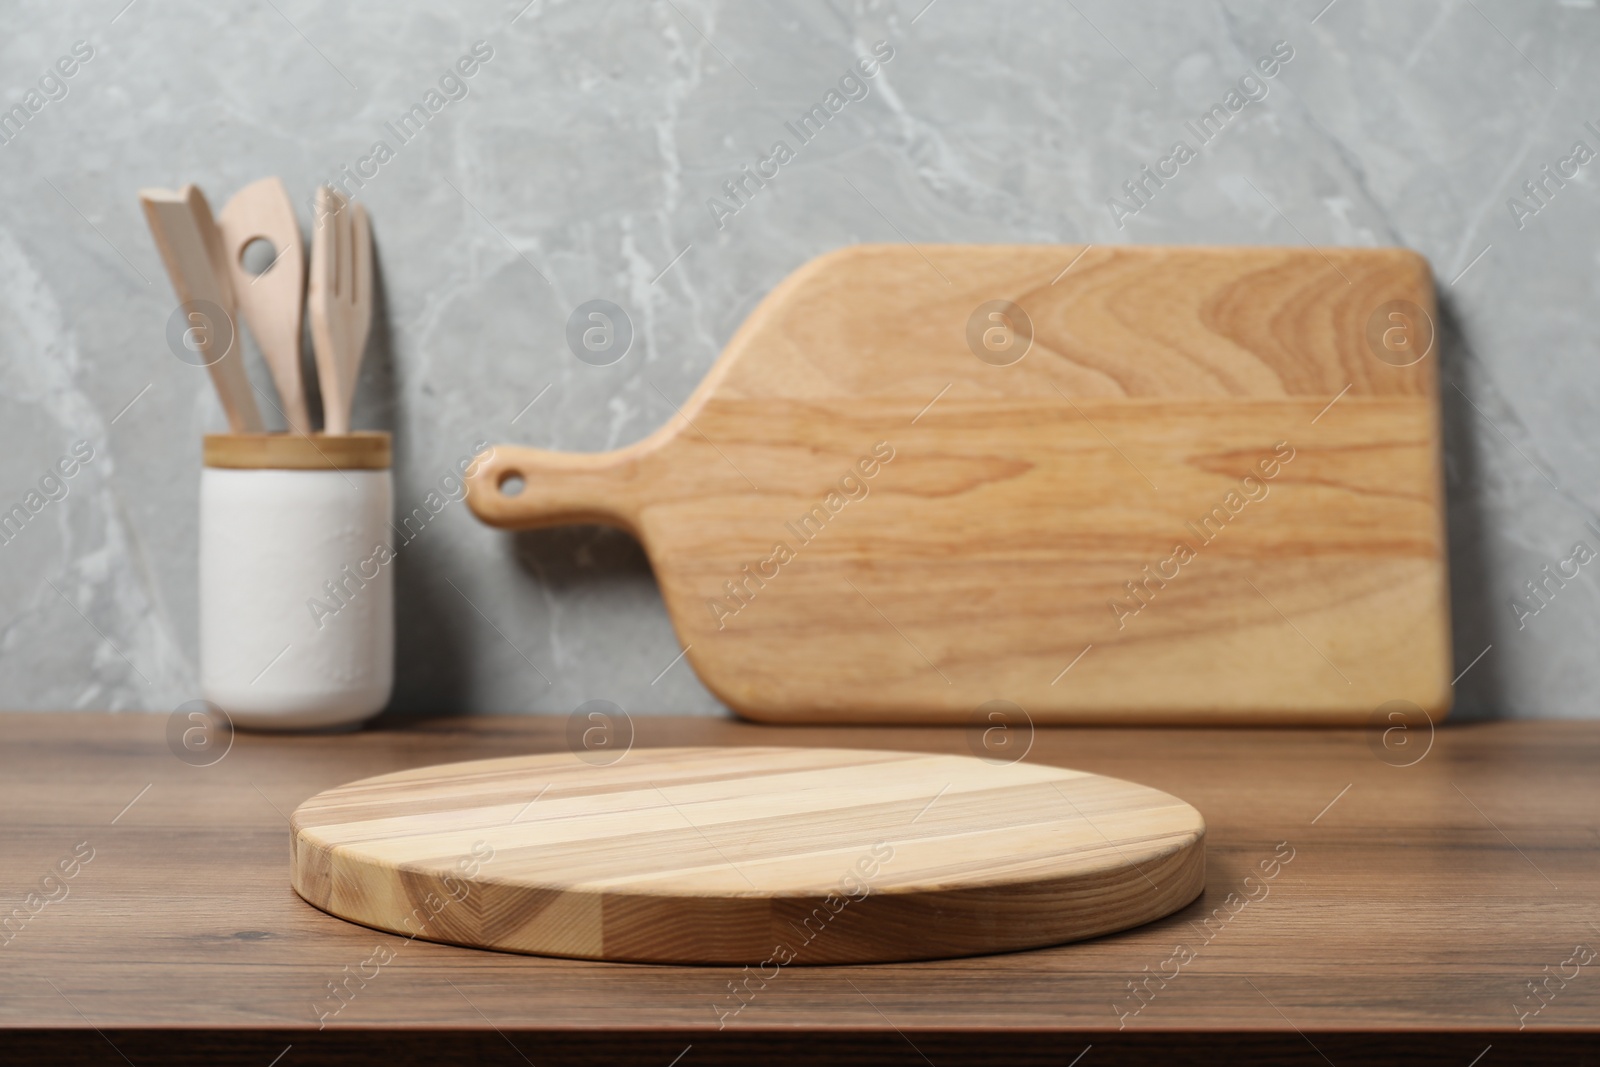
271, 300
191, 247
340, 301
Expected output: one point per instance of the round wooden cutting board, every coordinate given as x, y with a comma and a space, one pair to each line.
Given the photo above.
760, 856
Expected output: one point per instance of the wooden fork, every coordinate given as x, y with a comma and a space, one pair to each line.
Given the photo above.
340, 302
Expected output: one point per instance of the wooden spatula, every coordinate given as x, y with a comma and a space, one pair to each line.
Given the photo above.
340, 302
1115, 484
271, 300
191, 247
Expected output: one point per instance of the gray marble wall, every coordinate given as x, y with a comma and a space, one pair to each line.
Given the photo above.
578, 166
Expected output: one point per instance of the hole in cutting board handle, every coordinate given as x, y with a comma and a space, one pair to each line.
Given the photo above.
510, 484
258, 255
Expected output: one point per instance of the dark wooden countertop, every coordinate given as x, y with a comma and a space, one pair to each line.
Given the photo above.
1421, 906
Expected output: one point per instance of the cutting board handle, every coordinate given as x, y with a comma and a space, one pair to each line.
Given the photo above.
528, 488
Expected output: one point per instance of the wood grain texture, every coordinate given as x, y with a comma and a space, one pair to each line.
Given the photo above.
854, 518
748, 855
367, 450
1406, 928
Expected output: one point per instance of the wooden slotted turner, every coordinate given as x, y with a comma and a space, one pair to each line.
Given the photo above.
1114, 484
271, 300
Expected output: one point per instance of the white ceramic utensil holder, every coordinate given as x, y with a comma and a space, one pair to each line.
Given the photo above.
296, 578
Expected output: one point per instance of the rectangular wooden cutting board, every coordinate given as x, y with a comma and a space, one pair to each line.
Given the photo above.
1101, 484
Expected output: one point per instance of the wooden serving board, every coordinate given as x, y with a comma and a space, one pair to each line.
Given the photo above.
759, 856
1207, 491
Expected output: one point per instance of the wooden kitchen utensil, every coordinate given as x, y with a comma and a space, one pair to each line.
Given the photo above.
340, 302
271, 300
191, 248
1113, 484
755, 856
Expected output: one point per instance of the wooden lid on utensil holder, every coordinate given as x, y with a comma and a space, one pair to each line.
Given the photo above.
366, 450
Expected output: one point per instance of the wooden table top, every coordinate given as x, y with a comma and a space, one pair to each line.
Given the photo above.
1417, 913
